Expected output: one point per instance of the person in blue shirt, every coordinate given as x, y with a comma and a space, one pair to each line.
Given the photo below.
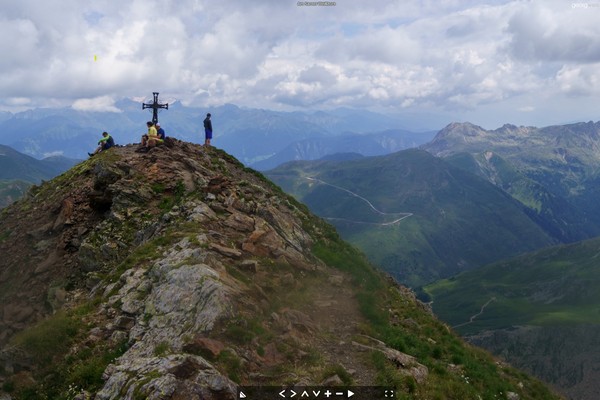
104, 144
160, 131
208, 130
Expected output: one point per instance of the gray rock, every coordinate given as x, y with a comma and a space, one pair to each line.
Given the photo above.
170, 301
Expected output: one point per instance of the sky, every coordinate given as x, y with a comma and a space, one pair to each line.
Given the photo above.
487, 62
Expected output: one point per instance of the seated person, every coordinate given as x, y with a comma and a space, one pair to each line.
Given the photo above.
151, 139
104, 144
160, 131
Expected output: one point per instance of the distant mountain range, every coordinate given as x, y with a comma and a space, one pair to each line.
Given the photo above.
252, 135
373, 144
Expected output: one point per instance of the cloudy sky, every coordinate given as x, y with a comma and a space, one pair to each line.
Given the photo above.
488, 62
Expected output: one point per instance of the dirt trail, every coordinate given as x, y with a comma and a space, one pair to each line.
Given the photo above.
336, 312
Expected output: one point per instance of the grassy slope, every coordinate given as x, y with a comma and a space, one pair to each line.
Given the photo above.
460, 221
562, 219
556, 286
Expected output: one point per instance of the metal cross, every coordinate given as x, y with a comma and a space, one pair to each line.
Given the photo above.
155, 106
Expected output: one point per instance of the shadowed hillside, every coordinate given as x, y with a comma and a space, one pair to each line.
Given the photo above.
541, 313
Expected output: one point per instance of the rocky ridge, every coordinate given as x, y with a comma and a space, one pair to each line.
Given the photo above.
179, 274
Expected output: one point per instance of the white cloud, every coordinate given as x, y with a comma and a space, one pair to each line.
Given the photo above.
53, 154
446, 56
104, 104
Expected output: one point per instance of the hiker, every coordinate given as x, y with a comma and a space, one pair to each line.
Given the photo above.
151, 139
207, 130
160, 131
103, 144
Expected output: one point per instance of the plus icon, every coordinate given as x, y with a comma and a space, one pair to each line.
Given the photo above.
328, 393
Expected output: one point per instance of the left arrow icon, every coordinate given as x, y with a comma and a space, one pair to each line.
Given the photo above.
282, 393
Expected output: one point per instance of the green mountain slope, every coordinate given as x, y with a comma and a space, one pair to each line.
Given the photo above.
531, 309
554, 169
15, 165
181, 274
19, 171
458, 221
563, 220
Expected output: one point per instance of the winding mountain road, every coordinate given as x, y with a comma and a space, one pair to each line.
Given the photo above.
403, 214
470, 321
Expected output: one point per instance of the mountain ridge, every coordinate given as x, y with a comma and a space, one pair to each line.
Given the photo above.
181, 273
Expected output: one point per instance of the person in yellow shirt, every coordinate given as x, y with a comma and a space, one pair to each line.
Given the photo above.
151, 139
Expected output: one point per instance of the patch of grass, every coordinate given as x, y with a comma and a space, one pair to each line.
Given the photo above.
4, 235
231, 364
8, 386
243, 331
173, 198
162, 349
338, 370
60, 373
50, 338
237, 274
158, 187
87, 371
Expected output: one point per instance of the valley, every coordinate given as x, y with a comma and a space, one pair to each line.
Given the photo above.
469, 205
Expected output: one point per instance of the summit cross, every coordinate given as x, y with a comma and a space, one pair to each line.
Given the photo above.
155, 106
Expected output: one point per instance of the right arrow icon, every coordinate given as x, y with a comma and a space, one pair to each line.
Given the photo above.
350, 393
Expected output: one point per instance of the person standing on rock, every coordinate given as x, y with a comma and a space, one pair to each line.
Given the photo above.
207, 130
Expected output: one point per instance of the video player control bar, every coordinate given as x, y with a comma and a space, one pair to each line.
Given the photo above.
316, 393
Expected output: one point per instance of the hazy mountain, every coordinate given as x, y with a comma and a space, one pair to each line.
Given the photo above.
453, 220
538, 311
252, 135
14, 165
181, 274
372, 144
19, 171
